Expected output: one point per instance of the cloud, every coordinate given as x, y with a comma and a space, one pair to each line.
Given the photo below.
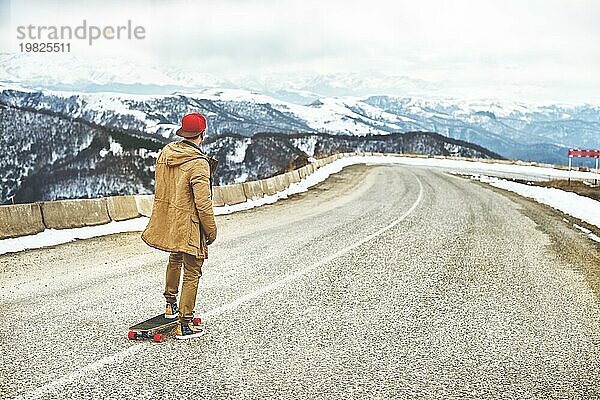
459, 43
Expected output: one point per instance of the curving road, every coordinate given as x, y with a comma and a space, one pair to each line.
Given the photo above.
382, 282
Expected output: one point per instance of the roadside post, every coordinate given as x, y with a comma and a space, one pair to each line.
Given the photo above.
570, 159
584, 154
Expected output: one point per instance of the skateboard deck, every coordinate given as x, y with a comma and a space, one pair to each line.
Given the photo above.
155, 328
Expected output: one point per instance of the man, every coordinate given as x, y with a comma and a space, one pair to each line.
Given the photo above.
182, 220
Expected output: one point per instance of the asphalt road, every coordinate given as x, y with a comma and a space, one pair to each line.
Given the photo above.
382, 282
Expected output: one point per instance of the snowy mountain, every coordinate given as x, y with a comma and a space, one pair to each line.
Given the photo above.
60, 144
78, 74
69, 72
304, 89
513, 130
67, 145
282, 102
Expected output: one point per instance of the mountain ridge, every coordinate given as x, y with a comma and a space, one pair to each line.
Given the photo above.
92, 135
49, 156
513, 130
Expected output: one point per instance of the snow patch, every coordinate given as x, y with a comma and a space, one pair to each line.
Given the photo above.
242, 178
582, 229
239, 152
52, 237
581, 207
317, 177
116, 148
306, 145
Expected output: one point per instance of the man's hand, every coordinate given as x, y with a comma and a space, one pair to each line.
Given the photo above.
210, 239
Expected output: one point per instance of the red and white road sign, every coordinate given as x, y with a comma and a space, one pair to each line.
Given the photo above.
584, 153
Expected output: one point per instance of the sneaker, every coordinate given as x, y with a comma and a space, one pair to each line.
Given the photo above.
188, 331
196, 328
172, 311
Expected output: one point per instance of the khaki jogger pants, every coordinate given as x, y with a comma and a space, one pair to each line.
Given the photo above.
192, 271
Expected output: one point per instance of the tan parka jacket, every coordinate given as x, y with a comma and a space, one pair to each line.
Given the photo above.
182, 217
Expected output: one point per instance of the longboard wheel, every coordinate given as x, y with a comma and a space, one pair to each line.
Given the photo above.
159, 337
197, 321
131, 335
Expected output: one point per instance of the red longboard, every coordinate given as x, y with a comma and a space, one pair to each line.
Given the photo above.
155, 328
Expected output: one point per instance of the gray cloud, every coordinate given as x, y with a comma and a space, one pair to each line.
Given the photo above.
460, 43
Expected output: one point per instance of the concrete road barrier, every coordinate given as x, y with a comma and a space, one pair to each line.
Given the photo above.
20, 219
121, 208
269, 186
144, 204
303, 172
233, 194
292, 177
253, 190
75, 213
297, 177
281, 183
217, 197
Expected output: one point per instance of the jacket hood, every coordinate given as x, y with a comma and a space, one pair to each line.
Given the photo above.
178, 153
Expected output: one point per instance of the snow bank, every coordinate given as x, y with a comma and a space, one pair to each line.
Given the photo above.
316, 177
581, 207
51, 237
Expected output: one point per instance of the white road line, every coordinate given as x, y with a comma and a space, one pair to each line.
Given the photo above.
121, 355
265, 289
73, 376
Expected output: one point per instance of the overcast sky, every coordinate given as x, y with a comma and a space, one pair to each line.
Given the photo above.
531, 47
